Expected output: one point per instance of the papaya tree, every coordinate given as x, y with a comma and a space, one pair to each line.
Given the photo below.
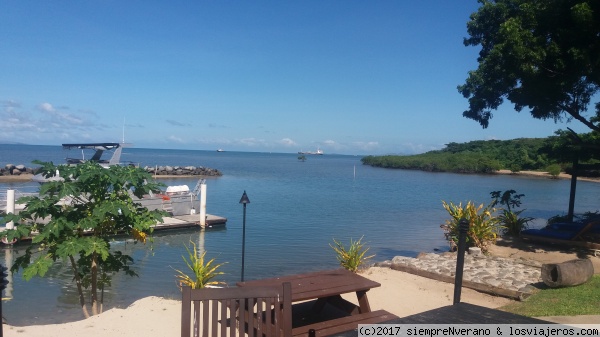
73, 219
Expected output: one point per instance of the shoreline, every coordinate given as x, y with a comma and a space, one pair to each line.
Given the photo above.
26, 177
546, 175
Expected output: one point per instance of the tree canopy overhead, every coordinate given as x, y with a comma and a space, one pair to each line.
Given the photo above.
539, 54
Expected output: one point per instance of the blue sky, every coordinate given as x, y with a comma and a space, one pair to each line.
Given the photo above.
349, 77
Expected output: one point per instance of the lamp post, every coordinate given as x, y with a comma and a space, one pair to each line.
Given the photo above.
244, 200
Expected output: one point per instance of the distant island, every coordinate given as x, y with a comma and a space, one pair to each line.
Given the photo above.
523, 154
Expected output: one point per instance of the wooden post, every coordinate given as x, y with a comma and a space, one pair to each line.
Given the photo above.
463, 228
573, 187
203, 205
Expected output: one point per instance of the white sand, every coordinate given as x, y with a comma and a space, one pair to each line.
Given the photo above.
400, 293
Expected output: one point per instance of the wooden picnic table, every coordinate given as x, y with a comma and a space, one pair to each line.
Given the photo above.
324, 286
322, 308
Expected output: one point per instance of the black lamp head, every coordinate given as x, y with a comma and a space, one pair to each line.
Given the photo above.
244, 199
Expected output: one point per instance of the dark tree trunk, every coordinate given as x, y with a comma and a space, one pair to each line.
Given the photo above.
569, 273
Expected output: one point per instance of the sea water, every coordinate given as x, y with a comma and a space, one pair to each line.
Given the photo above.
296, 210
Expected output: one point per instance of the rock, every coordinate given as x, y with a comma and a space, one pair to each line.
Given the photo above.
20, 168
400, 259
427, 256
474, 251
386, 263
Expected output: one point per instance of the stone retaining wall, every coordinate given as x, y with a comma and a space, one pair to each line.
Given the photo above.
182, 171
16, 170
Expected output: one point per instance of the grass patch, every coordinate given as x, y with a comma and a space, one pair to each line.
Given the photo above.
579, 300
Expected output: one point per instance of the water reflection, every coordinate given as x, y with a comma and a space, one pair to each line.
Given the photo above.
56, 293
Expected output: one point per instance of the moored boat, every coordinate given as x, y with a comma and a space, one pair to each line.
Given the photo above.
98, 151
318, 152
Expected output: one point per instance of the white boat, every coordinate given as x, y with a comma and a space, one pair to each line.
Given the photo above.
98, 150
318, 152
220, 150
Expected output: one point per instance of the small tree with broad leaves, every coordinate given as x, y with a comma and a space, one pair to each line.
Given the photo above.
73, 219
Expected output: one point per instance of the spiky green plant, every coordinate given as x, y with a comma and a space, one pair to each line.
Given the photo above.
512, 223
353, 257
483, 226
202, 272
511, 220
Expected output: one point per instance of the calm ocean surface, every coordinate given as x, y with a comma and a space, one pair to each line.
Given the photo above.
296, 210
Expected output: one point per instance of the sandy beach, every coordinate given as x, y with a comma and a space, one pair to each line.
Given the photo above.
159, 317
400, 293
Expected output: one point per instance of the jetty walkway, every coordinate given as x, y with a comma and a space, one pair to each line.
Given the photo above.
506, 277
189, 221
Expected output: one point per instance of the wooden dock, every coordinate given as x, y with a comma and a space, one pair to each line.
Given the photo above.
176, 222
188, 221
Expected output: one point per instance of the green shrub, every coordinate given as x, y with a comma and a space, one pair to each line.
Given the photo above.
483, 226
202, 272
554, 170
514, 168
512, 224
353, 257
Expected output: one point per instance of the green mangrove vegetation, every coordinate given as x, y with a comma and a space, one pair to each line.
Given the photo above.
523, 154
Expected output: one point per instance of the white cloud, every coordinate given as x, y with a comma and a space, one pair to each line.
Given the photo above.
175, 139
46, 107
288, 142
